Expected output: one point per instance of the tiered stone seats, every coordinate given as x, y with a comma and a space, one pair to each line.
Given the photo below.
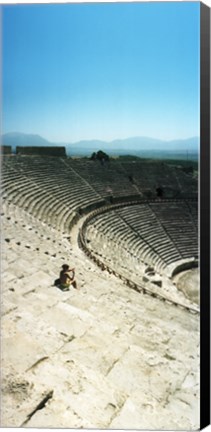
149, 175
179, 220
107, 180
194, 212
157, 234
55, 185
55, 189
46, 188
57, 370
21, 227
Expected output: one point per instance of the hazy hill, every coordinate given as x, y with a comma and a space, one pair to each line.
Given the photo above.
15, 139
139, 146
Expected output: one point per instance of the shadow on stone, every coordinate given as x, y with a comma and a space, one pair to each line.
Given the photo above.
58, 285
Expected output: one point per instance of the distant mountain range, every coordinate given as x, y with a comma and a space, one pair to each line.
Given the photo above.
15, 139
139, 146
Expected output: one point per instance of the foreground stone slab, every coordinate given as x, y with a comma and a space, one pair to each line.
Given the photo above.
79, 390
20, 397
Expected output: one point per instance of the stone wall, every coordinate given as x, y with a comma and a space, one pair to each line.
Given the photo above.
4, 149
42, 151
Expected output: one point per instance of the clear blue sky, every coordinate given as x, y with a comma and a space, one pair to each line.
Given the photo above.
104, 71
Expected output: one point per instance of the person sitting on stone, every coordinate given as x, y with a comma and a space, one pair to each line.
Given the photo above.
67, 277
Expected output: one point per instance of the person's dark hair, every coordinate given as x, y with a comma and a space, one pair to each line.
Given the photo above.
65, 267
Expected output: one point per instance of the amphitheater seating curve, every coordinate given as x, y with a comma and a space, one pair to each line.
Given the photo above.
56, 190
157, 233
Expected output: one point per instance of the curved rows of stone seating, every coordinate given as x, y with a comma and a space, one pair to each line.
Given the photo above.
180, 223
111, 253
56, 190
135, 178
44, 239
194, 212
107, 180
149, 175
32, 252
157, 234
46, 188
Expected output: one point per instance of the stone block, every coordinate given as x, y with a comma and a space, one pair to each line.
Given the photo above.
96, 350
19, 397
67, 319
38, 278
57, 414
21, 351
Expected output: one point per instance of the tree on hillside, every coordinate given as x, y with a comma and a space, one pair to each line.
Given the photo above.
100, 156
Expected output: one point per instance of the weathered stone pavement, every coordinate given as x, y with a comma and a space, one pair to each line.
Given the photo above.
101, 357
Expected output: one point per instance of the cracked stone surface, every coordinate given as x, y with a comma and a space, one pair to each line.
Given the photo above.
108, 356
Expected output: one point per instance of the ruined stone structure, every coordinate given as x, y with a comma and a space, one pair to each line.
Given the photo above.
42, 151
122, 352
5, 149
